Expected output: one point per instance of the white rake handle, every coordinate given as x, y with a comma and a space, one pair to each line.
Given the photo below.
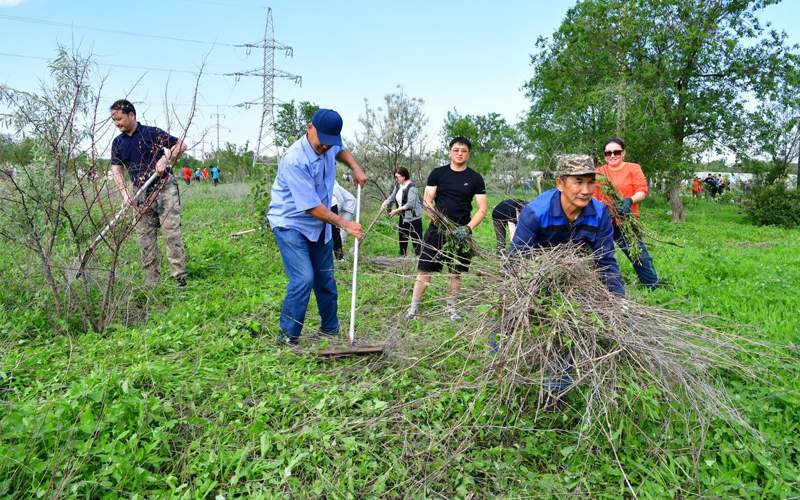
352, 331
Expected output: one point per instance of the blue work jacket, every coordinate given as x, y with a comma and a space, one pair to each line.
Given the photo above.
542, 223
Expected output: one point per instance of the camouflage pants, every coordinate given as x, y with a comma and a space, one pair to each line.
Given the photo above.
164, 213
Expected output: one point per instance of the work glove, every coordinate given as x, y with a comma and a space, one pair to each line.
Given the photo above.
625, 208
462, 233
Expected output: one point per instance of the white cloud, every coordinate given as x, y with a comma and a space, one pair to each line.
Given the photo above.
10, 3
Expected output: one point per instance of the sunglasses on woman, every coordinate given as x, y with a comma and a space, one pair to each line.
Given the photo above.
616, 152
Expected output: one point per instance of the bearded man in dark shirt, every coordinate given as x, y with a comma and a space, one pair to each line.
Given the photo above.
450, 190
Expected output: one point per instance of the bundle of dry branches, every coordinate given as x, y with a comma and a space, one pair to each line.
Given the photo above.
556, 327
632, 228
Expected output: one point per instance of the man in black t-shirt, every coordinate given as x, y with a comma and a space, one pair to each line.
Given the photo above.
450, 190
505, 214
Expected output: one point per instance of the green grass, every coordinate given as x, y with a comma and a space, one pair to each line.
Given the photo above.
200, 401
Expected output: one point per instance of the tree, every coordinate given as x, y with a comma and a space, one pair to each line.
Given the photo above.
291, 121
53, 210
394, 135
773, 130
670, 76
15, 153
490, 135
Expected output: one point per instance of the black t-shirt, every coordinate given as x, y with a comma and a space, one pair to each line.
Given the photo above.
506, 210
454, 192
140, 151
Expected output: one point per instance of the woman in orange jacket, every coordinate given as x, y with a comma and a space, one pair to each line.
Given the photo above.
629, 181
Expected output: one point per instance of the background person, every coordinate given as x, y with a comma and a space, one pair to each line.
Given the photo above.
346, 206
187, 174
505, 215
450, 190
629, 181
300, 217
139, 149
215, 174
696, 187
409, 207
338, 252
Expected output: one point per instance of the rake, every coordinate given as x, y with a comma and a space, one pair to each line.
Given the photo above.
353, 349
87, 254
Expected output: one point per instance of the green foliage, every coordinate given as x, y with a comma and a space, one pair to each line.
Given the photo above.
490, 135
237, 160
200, 402
260, 191
290, 124
675, 78
774, 205
15, 153
393, 136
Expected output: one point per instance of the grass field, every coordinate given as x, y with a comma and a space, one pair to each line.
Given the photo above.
200, 401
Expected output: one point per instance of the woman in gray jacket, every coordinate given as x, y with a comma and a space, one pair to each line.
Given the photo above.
409, 206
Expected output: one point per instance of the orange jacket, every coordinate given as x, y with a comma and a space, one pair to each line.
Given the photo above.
628, 179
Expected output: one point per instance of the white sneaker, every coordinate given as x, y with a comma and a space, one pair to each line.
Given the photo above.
452, 313
411, 313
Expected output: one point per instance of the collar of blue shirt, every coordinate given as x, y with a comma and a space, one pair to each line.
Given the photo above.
308, 150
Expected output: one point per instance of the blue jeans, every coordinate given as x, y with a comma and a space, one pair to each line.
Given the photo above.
644, 268
309, 266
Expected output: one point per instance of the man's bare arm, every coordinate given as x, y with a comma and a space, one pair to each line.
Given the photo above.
122, 187
483, 207
427, 202
346, 157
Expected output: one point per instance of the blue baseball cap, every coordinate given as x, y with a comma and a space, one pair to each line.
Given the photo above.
329, 126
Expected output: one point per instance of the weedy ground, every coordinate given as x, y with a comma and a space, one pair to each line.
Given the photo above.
200, 401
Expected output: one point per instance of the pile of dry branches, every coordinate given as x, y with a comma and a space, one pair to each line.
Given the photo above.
555, 327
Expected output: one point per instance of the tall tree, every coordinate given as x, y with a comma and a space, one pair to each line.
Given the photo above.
490, 135
290, 124
671, 76
393, 134
773, 131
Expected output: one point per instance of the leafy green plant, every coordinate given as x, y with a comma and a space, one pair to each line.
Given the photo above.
774, 205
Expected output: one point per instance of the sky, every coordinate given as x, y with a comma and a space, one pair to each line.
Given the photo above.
472, 56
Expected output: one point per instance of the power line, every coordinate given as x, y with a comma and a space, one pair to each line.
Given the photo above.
126, 66
46, 22
268, 73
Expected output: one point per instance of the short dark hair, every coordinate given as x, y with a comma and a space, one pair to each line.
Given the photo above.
460, 139
616, 140
403, 171
123, 105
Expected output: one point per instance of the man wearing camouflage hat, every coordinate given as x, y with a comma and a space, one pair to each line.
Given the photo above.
569, 213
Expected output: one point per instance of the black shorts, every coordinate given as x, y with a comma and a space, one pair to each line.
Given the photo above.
432, 260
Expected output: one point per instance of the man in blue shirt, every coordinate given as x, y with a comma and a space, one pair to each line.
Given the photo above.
140, 150
568, 213
300, 217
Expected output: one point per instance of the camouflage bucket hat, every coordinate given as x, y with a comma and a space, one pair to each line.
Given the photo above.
575, 165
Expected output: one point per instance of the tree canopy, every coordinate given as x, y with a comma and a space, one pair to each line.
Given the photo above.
672, 77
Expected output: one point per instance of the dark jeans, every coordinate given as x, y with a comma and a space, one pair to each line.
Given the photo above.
337, 237
500, 233
410, 231
644, 268
309, 266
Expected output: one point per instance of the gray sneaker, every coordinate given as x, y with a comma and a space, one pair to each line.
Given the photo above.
452, 313
411, 313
